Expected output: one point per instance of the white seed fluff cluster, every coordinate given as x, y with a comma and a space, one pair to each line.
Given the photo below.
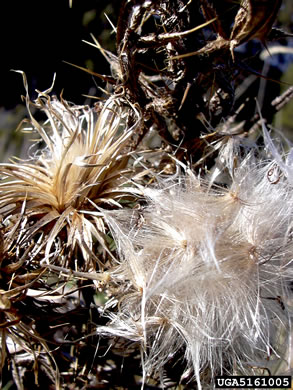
208, 270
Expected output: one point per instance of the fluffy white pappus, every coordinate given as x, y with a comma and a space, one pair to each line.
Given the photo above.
207, 272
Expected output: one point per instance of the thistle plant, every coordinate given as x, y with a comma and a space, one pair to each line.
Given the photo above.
172, 255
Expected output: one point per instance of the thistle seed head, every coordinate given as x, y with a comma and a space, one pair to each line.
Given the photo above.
55, 194
208, 269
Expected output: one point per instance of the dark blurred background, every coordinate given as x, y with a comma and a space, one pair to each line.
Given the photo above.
37, 36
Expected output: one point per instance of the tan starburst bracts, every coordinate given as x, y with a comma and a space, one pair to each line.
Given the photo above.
55, 193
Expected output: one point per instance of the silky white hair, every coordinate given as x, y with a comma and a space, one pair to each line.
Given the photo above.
206, 269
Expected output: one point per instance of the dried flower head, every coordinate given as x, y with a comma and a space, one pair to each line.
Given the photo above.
52, 197
207, 271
